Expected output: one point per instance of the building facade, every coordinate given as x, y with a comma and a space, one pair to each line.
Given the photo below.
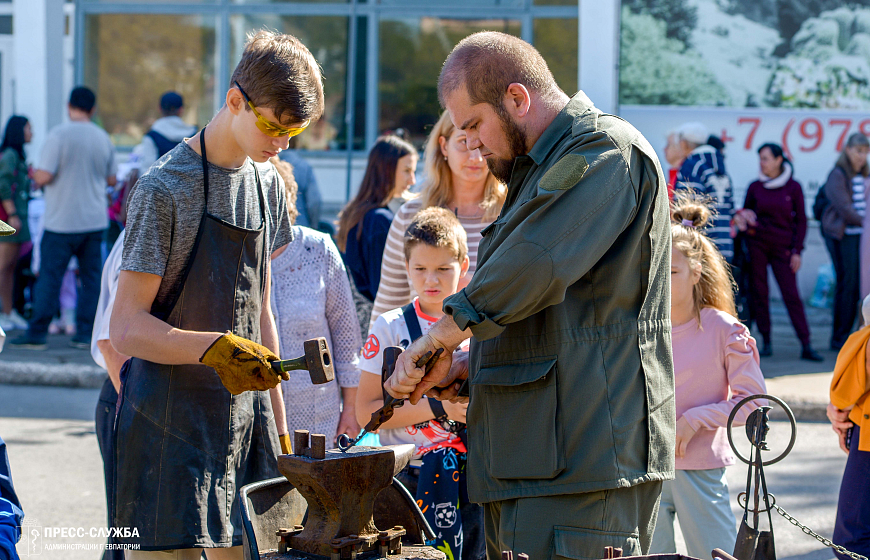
753, 71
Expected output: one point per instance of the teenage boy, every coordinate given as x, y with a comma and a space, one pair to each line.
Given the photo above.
436, 256
195, 423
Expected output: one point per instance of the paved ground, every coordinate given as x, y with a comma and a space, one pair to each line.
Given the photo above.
59, 365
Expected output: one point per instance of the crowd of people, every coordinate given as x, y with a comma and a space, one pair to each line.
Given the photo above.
492, 245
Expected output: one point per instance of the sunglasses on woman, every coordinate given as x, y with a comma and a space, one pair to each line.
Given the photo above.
268, 128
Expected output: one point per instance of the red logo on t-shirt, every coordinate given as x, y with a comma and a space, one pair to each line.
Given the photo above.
371, 347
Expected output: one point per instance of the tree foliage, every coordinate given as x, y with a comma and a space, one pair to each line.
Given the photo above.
657, 70
132, 59
679, 16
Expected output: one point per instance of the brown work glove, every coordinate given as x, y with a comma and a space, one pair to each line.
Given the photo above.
286, 446
242, 365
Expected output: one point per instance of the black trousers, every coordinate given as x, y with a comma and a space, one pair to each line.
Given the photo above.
105, 420
852, 529
57, 250
845, 254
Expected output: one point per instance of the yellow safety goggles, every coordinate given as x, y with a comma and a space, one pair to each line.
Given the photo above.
268, 128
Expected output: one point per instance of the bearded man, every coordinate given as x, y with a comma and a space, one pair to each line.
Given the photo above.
571, 419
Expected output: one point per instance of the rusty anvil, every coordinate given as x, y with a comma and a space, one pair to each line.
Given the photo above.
316, 360
340, 488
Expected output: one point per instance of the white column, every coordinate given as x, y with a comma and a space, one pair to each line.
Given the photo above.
599, 52
38, 66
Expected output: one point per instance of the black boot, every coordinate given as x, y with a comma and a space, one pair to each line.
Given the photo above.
766, 347
810, 355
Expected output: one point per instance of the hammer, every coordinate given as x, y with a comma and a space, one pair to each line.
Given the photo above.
316, 360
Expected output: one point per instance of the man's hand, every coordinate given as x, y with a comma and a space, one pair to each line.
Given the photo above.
448, 390
840, 423
410, 382
795, 263
685, 433
241, 364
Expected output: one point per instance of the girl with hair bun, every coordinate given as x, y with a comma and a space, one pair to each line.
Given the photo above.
716, 364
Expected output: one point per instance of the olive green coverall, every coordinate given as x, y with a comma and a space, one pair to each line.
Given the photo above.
571, 421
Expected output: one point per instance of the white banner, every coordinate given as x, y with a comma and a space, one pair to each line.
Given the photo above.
811, 138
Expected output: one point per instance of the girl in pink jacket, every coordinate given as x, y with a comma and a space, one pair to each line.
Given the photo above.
716, 364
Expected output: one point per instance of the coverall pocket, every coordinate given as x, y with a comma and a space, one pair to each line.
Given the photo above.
521, 404
580, 544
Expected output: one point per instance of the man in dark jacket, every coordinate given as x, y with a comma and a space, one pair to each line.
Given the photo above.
571, 418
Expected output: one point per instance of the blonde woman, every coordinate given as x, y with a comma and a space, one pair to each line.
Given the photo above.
456, 179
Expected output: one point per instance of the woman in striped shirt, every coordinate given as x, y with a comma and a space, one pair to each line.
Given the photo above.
842, 226
456, 179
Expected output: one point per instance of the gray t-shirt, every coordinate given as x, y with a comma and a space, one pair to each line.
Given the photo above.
80, 155
166, 206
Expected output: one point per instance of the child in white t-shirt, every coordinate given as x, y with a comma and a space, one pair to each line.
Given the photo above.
436, 257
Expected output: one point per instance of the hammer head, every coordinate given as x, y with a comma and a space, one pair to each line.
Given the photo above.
319, 361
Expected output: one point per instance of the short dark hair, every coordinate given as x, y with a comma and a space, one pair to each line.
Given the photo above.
496, 60
776, 151
170, 103
277, 71
437, 227
82, 98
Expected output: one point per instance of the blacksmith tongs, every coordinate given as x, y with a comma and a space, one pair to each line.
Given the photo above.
383, 414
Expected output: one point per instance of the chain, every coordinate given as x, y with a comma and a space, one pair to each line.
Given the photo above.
827, 542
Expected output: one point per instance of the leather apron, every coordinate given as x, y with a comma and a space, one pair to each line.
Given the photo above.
183, 444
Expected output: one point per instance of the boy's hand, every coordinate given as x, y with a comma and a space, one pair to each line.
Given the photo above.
410, 382
347, 423
241, 364
456, 411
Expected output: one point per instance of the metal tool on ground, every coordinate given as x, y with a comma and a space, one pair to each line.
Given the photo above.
341, 489
383, 414
317, 360
752, 542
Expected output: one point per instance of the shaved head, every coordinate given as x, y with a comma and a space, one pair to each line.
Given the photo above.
495, 60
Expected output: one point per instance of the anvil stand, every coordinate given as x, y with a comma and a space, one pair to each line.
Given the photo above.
340, 488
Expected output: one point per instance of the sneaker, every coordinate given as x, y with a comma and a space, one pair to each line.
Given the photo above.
26, 342
18, 321
81, 343
811, 355
6, 322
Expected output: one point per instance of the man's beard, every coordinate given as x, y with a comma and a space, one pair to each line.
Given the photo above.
501, 168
